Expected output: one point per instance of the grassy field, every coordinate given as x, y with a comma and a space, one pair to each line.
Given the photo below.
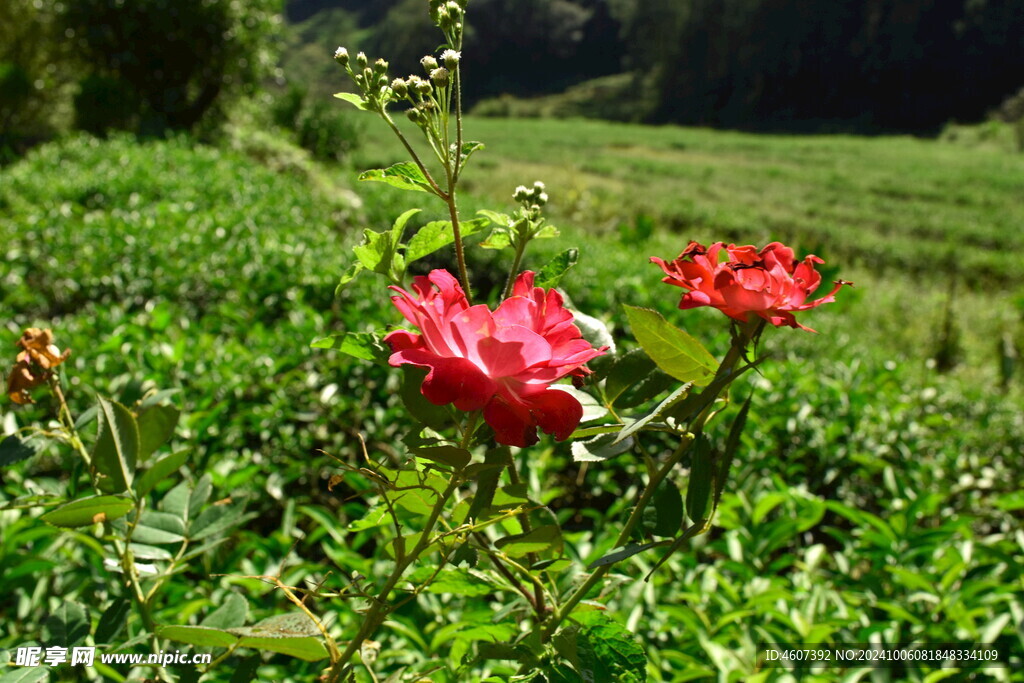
876, 498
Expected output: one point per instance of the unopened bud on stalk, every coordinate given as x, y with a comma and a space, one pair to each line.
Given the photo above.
341, 56
400, 87
454, 9
542, 198
361, 61
451, 59
429, 63
414, 115
424, 88
539, 186
521, 194
380, 66
440, 77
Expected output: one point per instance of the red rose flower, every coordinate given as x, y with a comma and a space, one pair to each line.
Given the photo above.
770, 283
502, 362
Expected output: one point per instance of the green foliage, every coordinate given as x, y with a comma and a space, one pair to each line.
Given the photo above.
136, 49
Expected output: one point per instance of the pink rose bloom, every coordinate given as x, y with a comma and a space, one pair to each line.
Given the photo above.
501, 362
770, 283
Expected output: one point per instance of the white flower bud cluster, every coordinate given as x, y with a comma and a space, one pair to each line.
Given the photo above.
372, 81
532, 197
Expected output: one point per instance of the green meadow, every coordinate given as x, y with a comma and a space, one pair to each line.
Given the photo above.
876, 496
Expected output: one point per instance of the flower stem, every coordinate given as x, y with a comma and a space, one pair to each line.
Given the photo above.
740, 340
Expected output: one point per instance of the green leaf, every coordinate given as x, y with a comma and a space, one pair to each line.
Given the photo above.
69, 625
348, 276
731, 445
309, 648
674, 351
355, 100
698, 490
543, 538
438, 234
498, 239
156, 427
640, 422
113, 620
288, 625
625, 372
451, 456
362, 345
405, 176
600, 448
468, 148
88, 511
26, 674
551, 274
159, 527
216, 519
160, 470
465, 582
230, 614
619, 554
15, 448
487, 480
175, 501
202, 636
198, 497
547, 232
117, 446
416, 403
149, 552
664, 516
608, 651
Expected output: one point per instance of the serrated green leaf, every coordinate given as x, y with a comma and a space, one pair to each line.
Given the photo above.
438, 234
608, 651
699, 487
673, 350
117, 446
405, 176
69, 625
159, 471
88, 511
547, 232
355, 100
551, 274
495, 460
626, 371
362, 345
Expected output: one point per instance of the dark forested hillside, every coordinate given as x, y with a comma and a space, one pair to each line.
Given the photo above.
858, 65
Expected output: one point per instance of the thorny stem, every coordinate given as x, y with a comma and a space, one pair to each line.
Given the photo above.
735, 353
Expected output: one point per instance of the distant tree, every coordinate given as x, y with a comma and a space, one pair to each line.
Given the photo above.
165, 64
36, 69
